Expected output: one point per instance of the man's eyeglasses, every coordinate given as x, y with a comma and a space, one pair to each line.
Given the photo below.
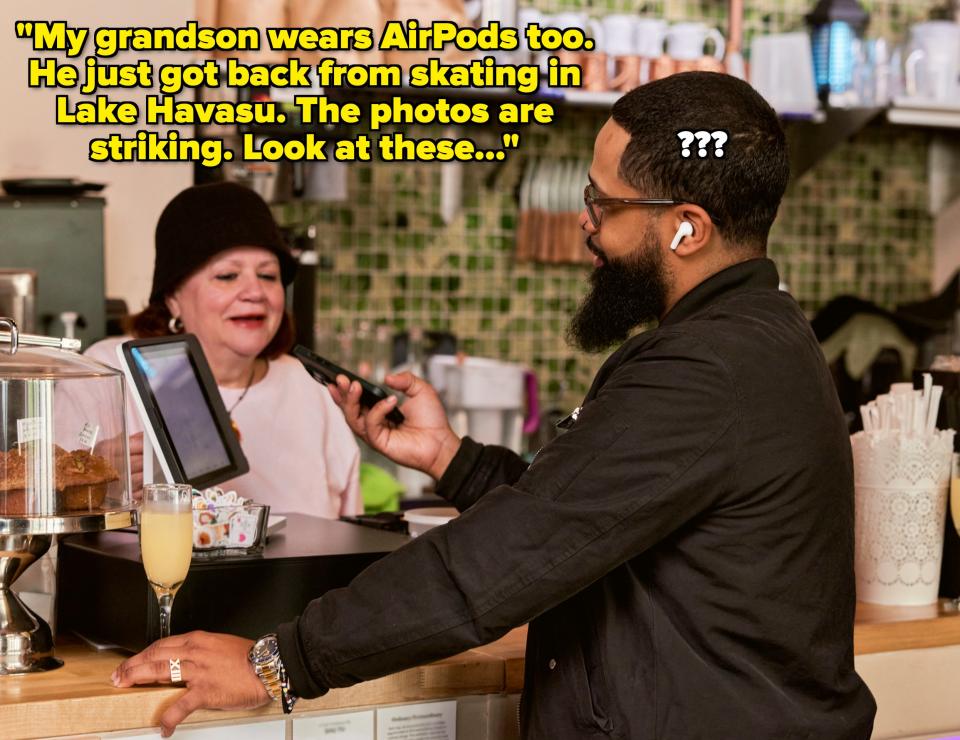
594, 203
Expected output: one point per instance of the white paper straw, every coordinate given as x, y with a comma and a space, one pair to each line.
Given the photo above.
934, 409
918, 418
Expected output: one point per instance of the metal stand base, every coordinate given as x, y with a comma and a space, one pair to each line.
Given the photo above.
26, 643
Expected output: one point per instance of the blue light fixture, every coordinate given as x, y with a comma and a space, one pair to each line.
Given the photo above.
835, 25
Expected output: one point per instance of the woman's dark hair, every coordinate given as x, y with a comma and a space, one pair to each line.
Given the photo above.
154, 320
743, 188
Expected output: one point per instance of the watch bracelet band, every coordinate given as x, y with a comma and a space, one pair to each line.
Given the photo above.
273, 675
287, 697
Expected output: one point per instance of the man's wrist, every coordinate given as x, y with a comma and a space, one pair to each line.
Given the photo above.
448, 450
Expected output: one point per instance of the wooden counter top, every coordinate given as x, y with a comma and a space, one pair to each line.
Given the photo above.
79, 697
881, 629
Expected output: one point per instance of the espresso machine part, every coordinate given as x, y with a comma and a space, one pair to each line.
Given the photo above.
18, 296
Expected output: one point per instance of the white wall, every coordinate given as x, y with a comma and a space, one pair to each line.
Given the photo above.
32, 145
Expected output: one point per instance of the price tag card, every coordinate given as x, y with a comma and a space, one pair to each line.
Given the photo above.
88, 435
30, 429
349, 726
433, 721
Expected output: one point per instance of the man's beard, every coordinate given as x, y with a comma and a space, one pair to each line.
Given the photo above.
624, 293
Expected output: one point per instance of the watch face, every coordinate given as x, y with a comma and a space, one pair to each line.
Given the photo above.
264, 649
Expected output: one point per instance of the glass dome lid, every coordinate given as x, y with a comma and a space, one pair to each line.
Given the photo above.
63, 438
50, 363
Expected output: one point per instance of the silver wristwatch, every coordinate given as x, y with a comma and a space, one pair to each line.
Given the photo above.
264, 656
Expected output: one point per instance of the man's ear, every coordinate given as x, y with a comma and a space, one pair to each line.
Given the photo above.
692, 230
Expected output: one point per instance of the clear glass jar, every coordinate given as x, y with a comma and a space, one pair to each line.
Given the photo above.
63, 438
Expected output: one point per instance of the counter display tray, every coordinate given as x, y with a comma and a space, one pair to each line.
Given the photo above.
103, 594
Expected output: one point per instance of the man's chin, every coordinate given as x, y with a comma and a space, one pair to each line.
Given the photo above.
592, 336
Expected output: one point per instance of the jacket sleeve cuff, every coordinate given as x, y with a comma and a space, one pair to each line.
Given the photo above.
459, 469
301, 682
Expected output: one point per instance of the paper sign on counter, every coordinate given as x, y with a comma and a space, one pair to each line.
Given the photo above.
350, 726
431, 721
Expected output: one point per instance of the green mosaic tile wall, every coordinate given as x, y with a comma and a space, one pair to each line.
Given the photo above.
855, 223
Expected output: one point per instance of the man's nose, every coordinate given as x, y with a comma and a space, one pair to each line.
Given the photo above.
586, 224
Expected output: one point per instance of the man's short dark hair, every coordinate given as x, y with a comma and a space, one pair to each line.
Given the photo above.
741, 190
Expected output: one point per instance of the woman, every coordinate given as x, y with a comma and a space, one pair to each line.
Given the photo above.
220, 271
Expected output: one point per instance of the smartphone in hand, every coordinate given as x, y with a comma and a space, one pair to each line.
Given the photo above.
326, 372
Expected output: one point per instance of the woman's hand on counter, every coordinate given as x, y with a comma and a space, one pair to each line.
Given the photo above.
424, 441
214, 668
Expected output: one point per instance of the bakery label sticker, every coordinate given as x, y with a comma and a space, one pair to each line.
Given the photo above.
348, 726
431, 721
30, 429
88, 435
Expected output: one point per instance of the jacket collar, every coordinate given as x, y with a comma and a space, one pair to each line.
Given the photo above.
754, 274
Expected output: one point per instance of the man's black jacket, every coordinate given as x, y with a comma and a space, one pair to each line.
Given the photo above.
684, 553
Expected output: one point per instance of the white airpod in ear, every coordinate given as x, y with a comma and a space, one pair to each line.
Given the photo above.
686, 229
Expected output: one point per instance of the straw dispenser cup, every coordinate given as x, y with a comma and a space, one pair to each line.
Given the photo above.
902, 476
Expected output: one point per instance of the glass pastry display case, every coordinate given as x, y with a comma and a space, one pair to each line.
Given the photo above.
63, 469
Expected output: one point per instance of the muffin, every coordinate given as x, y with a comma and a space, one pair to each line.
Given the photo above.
80, 481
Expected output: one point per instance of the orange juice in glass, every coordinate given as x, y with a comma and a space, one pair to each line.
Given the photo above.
166, 542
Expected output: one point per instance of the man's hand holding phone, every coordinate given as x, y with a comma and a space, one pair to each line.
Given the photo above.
324, 371
424, 441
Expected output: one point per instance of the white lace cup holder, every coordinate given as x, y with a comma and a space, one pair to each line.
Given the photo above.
890, 460
230, 530
901, 500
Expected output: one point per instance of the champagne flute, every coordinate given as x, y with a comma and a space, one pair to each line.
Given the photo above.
166, 541
954, 604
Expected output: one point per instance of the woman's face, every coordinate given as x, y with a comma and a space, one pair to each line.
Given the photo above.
234, 302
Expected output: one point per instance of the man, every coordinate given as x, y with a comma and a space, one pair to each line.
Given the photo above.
684, 552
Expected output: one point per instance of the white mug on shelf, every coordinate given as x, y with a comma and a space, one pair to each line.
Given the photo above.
590, 26
525, 17
650, 33
685, 41
932, 67
617, 34
618, 40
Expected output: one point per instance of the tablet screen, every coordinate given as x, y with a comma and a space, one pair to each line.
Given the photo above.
185, 410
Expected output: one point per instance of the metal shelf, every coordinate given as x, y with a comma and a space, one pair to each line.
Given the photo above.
810, 141
907, 112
